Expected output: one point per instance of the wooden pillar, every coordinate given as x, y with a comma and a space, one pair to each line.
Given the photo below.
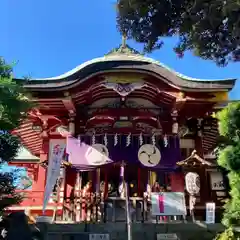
139, 183
71, 123
198, 140
98, 174
42, 173
105, 183
204, 190
77, 194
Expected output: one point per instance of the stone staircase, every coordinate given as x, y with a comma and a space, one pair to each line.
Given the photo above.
140, 231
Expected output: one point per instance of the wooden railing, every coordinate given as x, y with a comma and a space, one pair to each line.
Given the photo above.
113, 209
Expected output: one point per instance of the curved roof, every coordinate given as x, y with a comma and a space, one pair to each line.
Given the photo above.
128, 59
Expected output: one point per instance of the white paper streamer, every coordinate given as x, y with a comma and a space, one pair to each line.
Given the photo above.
115, 139
153, 140
165, 141
128, 140
141, 139
105, 139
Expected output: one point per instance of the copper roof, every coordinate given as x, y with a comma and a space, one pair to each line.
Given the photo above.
125, 58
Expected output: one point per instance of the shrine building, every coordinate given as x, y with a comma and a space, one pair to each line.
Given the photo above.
159, 123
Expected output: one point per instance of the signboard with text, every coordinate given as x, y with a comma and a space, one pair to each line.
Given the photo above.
168, 204
210, 213
99, 236
217, 181
167, 236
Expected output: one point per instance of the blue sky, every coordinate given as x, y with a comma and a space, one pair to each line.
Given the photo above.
21, 171
50, 37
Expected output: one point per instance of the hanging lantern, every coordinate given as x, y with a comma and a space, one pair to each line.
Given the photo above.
115, 139
192, 181
128, 140
141, 139
105, 139
175, 128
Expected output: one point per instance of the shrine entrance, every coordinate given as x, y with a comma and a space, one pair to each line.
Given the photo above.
135, 176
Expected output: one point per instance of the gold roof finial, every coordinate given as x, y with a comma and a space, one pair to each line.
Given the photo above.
124, 40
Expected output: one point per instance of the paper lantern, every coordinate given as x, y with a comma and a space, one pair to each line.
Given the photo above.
192, 181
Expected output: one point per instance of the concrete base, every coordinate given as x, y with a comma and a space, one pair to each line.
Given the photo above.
140, 231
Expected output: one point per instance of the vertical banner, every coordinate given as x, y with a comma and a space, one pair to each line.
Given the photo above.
121, 188
56, 151
210, 213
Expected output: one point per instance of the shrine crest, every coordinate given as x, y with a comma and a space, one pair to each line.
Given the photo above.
149, 155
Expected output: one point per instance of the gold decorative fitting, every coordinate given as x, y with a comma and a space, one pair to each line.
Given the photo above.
123, 49
193, 160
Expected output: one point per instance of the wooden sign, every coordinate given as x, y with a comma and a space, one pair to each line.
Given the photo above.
99, 236
167, 236
217, 183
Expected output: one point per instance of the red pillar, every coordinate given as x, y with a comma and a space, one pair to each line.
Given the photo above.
44, 157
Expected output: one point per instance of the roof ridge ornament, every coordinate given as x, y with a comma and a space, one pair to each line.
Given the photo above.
124, 40
123, 49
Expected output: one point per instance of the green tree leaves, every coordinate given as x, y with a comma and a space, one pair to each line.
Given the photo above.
229, 158
9, 145
13, 109
211, 29
13, 103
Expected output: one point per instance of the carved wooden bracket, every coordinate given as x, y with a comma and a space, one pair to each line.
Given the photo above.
68, 103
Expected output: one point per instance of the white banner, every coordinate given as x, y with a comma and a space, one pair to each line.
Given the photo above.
56, 151
168, 204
